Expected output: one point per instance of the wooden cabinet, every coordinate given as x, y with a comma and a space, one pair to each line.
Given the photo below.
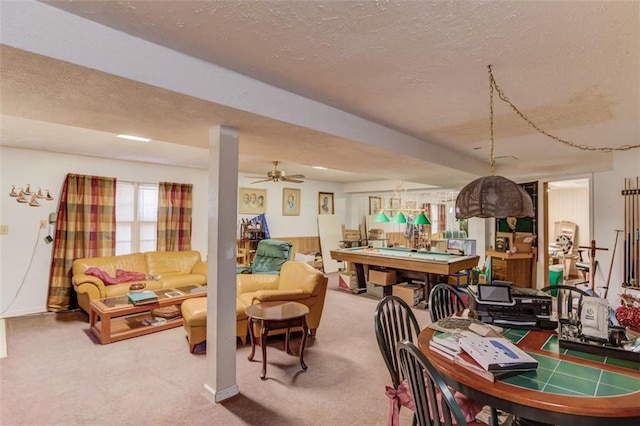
513, 267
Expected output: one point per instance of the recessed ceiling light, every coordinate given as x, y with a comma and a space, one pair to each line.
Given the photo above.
134, 138
319, 167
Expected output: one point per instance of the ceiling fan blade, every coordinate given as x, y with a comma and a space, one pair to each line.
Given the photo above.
296, 176
288, 179
263, 180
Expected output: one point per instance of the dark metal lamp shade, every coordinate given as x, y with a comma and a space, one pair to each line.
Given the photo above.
493, 196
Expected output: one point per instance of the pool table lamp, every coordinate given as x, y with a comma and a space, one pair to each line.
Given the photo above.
421, 219
399, 218
381, 217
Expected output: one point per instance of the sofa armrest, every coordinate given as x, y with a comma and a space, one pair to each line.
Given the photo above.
200, 268
89, 284
277, 295
79, 279
254, 282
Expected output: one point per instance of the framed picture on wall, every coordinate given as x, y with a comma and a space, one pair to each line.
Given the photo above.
290, 202
325, 203
252, 201
375, 203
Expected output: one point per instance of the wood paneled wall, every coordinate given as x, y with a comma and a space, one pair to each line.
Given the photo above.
302, 244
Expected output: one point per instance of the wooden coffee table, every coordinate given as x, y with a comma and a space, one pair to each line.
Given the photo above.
120, 319
277, 316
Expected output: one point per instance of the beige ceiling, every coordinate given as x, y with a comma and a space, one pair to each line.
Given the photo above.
415, 67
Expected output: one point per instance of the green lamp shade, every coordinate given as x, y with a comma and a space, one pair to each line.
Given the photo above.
421, 219
381, 217
399, 218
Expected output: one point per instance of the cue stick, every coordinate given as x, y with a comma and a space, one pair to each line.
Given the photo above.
637, 229
626, 235
613, 256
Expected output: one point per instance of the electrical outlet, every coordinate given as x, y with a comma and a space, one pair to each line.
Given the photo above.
4, 229
43, 224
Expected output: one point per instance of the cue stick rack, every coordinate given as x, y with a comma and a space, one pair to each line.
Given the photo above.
631, 232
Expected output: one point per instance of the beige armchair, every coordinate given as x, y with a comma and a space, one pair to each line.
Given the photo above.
297, 282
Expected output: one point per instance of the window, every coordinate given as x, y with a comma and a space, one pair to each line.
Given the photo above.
136, 217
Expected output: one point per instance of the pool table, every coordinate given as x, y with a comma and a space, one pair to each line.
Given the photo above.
406, 261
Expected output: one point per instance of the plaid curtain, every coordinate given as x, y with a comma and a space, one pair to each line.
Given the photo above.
86, 227
426, 207
174, 216
442, 217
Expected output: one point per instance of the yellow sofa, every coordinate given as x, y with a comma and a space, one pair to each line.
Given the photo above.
297, 282
172, 269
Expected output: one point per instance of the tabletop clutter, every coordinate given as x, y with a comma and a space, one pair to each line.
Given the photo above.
479, 348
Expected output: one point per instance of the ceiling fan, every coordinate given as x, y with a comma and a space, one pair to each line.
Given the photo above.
279, 175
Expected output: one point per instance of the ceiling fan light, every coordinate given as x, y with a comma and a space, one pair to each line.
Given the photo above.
493, 196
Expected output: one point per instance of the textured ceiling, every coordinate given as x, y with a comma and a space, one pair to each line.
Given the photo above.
416, 67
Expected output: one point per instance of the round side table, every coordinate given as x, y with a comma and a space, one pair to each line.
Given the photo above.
277, 316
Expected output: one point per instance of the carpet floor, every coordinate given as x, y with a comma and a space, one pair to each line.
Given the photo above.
57, 374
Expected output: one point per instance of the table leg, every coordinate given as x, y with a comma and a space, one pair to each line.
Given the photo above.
305, 331
287, 342
263, 342
253, 339
362, 280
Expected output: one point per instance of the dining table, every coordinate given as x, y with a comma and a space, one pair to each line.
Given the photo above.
569, 387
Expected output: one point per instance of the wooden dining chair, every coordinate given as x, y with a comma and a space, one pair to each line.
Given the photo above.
568, 299
394, 321
444, 301
433, 401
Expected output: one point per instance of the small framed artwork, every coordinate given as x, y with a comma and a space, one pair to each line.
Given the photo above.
325, 203
252, 201
290, 202
374, 204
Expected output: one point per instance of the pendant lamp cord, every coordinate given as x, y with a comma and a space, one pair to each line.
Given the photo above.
492, 82
503, 97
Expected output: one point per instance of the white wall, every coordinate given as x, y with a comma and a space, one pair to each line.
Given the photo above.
572, 205
608, 215
25, 259
304, 225
30, 277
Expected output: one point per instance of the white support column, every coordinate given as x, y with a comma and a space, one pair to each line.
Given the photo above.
221, 301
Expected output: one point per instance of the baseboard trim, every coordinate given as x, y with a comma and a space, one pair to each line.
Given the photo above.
3, 338
220, 395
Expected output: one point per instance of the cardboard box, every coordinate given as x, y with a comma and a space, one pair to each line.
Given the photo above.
523, 244
378, 291
461, 278
382, 277
410, 293
348, 281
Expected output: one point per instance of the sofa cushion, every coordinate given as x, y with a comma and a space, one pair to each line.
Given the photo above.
121, 276
123, 288
171, 262
179, 280
110, 264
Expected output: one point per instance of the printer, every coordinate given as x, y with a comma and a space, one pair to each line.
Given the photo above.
503, 304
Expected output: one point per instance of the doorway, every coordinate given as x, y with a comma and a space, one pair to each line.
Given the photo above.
567, 218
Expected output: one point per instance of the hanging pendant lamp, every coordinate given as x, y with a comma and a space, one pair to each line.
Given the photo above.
381, 217
493, 196
421, 219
